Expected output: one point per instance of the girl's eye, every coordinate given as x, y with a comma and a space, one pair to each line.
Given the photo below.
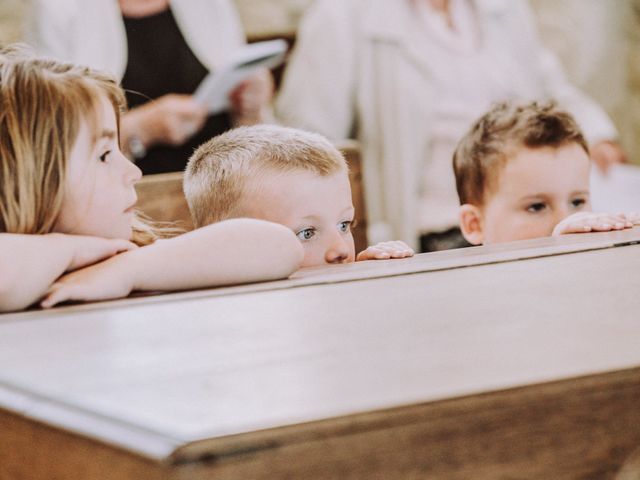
578, 202
536, 207
345, 226
306, 234
103, 157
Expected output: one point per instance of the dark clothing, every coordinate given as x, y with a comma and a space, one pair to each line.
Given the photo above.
160, 62
452, 238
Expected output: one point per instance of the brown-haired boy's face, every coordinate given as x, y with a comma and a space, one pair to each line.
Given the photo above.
536, 189
318, 209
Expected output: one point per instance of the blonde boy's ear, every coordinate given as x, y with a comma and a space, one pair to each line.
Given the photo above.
471, 224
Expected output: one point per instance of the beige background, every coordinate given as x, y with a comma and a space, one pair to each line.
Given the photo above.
598, 41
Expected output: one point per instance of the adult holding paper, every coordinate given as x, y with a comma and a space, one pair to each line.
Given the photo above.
160, 51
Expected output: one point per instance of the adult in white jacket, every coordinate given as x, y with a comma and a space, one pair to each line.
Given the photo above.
175, 43
407, 78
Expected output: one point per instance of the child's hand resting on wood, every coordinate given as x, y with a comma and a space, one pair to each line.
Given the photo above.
386, 250
582, 222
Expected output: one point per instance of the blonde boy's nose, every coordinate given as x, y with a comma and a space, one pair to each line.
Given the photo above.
338, 252
561, 213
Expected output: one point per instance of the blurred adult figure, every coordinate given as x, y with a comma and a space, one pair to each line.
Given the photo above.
161, 51
407, 78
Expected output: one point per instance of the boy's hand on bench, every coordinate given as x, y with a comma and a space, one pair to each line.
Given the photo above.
582, 222
385, 251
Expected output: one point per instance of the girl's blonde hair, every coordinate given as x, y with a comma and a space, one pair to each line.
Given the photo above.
42, 105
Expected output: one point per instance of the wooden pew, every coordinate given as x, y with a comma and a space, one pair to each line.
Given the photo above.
161, 198
352, 153
524, 364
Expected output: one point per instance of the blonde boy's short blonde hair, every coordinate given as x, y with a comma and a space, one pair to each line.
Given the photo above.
499, 134
222, 171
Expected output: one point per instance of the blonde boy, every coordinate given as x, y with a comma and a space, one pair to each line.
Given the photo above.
289, 176
522, 171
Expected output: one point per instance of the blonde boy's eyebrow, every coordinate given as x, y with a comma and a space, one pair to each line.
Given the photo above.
316, 217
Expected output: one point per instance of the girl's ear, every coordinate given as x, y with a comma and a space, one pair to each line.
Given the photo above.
471, 224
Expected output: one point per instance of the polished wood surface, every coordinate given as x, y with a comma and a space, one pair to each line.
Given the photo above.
518, 366
161, 198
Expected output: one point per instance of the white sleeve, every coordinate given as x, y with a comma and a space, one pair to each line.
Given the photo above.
48, 28
592, 118
317, 92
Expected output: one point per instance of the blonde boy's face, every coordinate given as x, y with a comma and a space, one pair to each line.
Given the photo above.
317, 209
536, 190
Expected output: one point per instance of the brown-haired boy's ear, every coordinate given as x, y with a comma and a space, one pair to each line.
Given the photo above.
471, 224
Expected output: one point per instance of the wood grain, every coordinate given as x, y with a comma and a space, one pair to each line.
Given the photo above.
525, 368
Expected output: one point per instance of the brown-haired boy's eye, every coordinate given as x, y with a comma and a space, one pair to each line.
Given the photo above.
536, 207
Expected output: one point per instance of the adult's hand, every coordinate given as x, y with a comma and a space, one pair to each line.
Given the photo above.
251, 99
607, 153
171, 120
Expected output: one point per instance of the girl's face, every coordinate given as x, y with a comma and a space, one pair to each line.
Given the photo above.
99, 194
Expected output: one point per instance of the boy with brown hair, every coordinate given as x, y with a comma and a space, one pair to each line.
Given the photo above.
292, 177
522, 171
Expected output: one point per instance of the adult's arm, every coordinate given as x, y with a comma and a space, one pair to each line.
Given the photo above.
318, 88
594, 121
48, 29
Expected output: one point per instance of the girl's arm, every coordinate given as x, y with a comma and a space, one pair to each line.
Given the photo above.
230, 252
29, 264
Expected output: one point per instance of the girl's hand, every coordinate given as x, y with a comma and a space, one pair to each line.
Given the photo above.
102, 281
89, 250
386, 250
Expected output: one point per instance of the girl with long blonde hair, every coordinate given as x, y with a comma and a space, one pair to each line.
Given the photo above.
68, 227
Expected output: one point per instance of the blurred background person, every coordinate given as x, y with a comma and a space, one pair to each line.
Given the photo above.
407, 78
161, 51
591, 39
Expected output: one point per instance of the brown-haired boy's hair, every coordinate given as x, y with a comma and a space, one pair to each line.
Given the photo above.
496, 137
222, 171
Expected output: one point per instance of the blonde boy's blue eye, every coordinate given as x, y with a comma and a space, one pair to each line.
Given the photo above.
306, 234
345, 226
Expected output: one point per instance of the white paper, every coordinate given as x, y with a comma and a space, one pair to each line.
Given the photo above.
617, 191
214, 90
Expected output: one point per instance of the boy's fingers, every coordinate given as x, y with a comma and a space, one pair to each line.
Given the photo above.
374, 253
402, 253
